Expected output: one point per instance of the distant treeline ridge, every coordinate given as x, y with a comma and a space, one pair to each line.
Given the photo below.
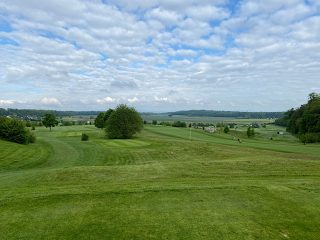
233, 114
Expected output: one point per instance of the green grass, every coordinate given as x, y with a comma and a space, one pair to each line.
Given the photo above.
160, 185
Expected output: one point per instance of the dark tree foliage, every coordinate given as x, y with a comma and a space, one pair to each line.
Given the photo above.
154, 122
107, 115
179, 124
99, 121
15, 131
305, 120
226, 129
123, 123
84, 137
233, 114
102, 118
250, 132
49, 120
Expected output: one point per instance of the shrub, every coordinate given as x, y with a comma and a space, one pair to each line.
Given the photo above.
33, 128
226, 129
179, 124
166, 124
250, 132
154, 122
14, 130
84, 137
310, 137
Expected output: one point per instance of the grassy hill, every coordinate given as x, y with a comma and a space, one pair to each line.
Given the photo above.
160, 185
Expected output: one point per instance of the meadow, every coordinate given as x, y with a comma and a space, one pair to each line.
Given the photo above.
163, 184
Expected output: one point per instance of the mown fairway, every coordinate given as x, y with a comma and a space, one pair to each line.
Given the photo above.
160, 185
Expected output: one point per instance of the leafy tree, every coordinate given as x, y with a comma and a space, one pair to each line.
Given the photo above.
15, 131
49, 120
102, 118
305, 120
123, 123
107, 115
179, 124
99, 121
154, 122
250, 132
226, 129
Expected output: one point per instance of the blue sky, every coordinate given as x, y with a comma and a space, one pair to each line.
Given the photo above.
249, 55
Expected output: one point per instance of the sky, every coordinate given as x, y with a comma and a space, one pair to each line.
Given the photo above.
159, 55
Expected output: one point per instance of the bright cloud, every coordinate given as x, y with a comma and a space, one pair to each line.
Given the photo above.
170, 54
106, 100
5, 103
50, 101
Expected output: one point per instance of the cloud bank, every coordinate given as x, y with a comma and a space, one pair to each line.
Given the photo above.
248, 55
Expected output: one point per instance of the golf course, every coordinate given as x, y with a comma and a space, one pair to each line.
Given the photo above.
165, 183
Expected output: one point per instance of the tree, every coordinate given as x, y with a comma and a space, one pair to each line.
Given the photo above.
304, 121
250, 132
154, 122
179, 124
102, 118
107, 115
226, 129
49, 120
123, 123
99, 121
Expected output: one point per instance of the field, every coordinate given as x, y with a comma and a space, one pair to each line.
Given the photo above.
163, 184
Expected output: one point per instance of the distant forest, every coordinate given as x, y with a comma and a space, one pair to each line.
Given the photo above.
233, 114
32, 114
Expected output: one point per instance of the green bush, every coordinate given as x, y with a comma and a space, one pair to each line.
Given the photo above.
123, 123
226, 129
310, 137
179, 124
166, 124
14, 130
84, 137
154, 122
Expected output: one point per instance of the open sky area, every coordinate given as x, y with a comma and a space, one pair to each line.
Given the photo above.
249, 55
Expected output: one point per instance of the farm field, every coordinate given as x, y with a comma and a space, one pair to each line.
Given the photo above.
163, 184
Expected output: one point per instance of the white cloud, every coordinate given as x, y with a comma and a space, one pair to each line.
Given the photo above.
189, 53
160, 99
133, 100
50, 101
106, 100
4, 102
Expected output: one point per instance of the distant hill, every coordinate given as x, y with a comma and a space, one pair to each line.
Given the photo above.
233, 114
37, 114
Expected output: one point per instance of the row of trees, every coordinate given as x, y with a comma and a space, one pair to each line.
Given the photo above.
121, 123
304, 121
232, 114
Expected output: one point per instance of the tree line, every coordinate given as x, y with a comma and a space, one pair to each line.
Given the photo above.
233, 114
304, 121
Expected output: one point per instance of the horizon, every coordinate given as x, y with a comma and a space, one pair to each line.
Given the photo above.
208, 110
159, 56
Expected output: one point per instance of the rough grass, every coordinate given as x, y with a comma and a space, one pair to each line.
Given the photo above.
160, 185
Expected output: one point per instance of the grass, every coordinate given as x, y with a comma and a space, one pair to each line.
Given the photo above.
160, 185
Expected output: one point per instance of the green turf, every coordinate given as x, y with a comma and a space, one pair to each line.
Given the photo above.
160, 185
